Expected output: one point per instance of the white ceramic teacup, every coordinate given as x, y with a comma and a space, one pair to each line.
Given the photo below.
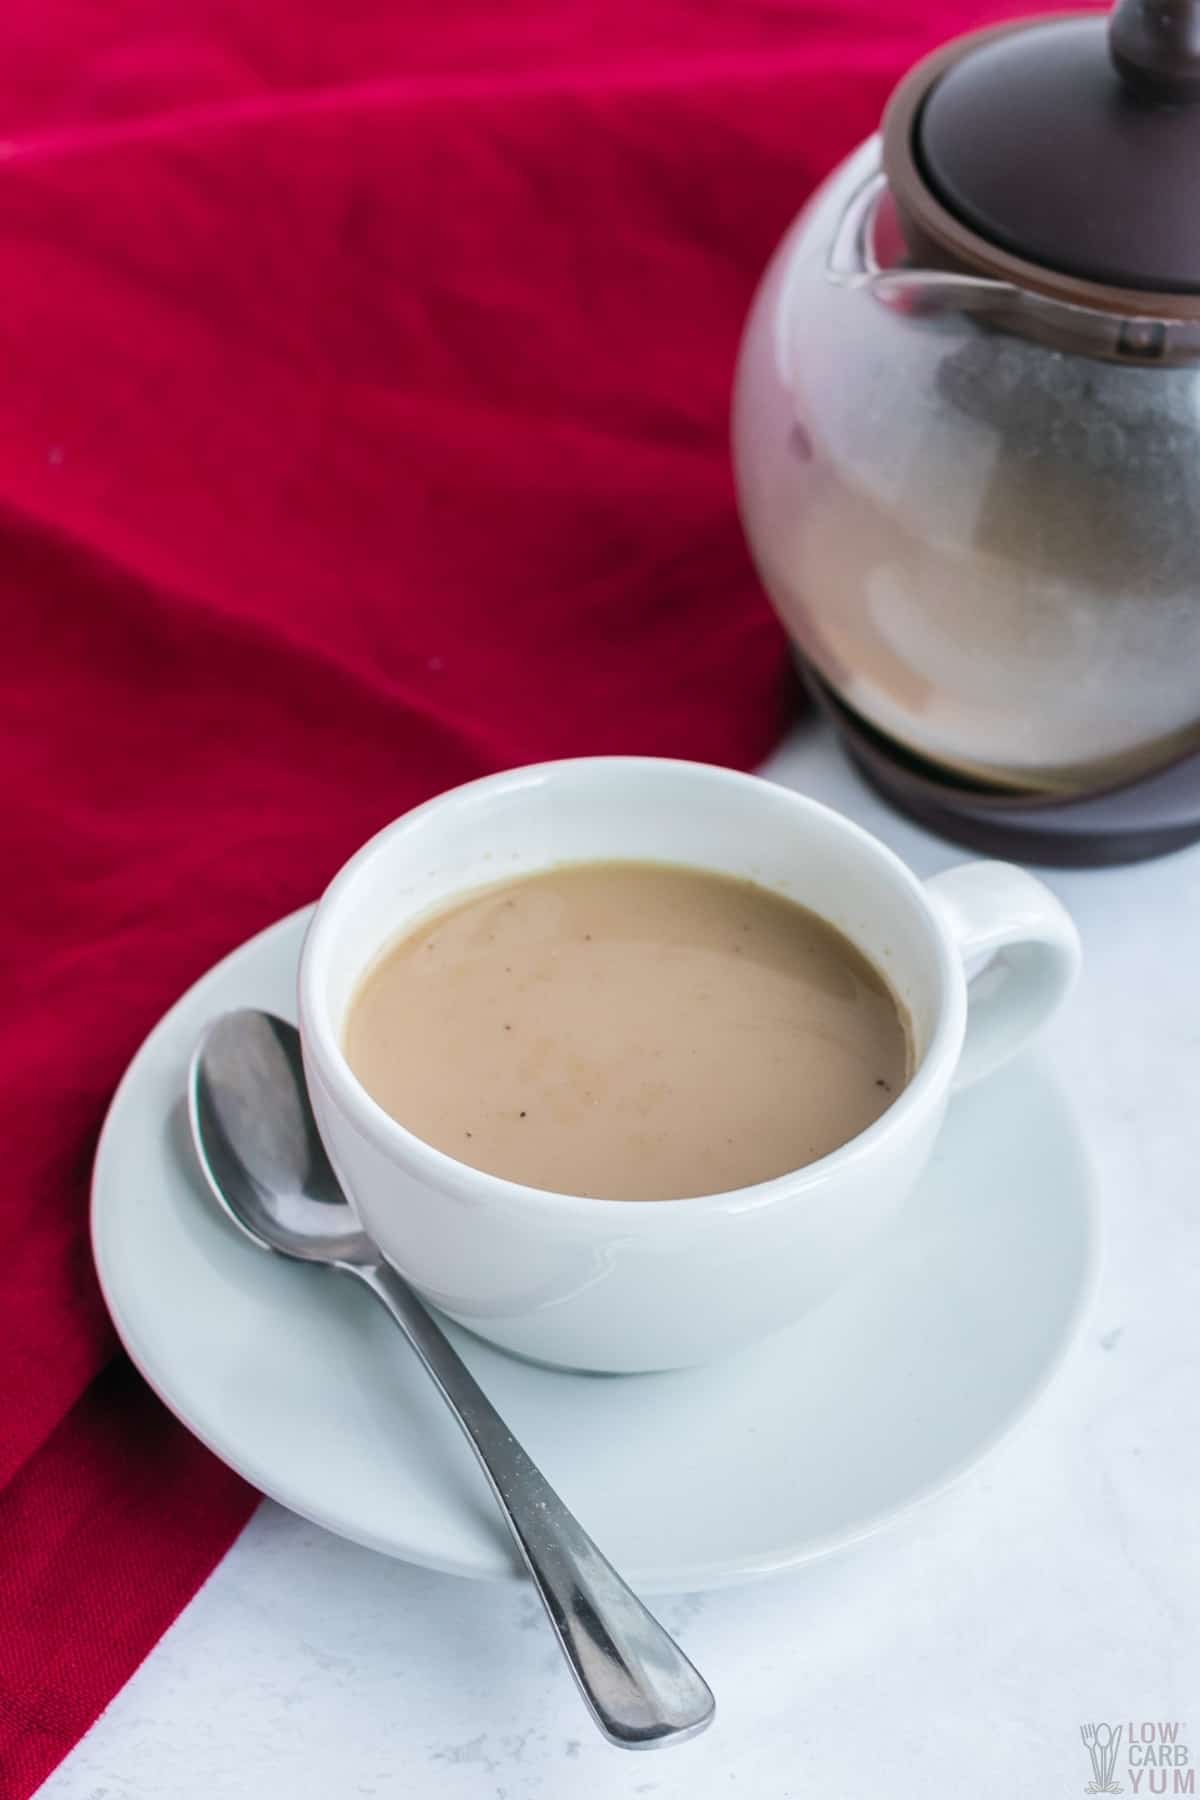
621, 1285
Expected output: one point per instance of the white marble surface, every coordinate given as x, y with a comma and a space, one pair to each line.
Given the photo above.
1058, 1583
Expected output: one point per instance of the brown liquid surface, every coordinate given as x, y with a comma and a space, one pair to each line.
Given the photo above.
628, 1030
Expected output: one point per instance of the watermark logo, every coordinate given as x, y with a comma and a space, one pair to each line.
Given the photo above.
1150, 1754
1102, 1743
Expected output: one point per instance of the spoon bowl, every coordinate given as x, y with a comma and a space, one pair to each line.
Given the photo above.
259, 1148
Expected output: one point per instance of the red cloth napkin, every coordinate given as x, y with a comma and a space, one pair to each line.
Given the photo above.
363, 397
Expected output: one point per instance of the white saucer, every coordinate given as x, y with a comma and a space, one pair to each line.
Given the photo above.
790, 1450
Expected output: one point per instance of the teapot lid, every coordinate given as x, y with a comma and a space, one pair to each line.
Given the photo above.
1061, 153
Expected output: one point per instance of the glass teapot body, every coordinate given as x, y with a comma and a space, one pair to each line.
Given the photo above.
977, 513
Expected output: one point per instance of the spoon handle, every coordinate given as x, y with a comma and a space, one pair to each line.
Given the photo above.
640, 1687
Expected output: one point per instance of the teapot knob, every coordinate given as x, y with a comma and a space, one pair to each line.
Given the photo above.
1155, 48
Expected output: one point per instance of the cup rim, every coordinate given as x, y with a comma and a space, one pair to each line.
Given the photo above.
403, 1147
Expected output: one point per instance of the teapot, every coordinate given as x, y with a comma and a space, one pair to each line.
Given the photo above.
966, 431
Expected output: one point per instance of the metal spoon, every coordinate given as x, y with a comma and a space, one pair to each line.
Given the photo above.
263, 1158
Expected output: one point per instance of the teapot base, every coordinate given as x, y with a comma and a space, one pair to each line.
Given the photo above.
1150, 816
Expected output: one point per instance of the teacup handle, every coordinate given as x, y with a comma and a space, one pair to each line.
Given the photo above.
994, 909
